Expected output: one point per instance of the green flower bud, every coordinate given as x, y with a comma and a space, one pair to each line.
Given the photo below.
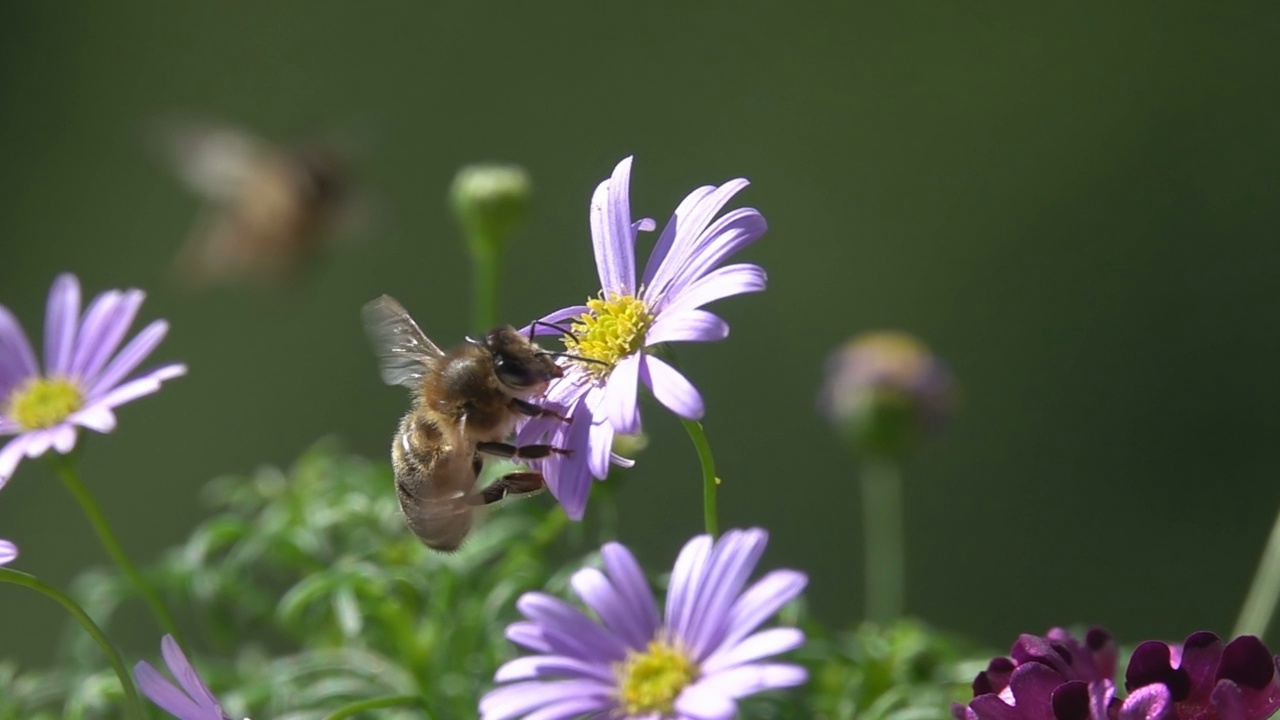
491, 202
886, 393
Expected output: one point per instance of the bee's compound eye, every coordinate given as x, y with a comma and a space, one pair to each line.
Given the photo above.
513, 373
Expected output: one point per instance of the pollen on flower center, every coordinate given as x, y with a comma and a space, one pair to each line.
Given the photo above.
612, 329
44, 402
651, 681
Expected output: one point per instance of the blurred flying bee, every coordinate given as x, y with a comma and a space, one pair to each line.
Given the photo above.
268, 209
466, 403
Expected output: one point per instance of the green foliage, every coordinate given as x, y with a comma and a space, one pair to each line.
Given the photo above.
304, 593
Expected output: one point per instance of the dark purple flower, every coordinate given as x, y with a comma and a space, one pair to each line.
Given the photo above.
190, 699
86, 374
1058, 677
1206, 680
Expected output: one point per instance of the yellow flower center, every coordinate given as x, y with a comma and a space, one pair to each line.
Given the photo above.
612, 329
44, 402
651, 681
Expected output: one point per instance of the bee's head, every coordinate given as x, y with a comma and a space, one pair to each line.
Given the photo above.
521, 367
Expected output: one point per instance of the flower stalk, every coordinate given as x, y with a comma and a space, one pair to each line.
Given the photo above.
1260, 602
392, 701
131, 700
71, 479
885, 546
710, 482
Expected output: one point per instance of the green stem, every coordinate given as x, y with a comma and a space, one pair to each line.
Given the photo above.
117, 663
486, 270
71, 479
885, 546
1260, 601
710, 483
376, 704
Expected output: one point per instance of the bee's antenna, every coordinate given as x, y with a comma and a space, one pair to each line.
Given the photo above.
533, 326
571, 356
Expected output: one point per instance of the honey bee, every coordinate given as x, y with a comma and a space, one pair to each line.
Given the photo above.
268, 208
466, 403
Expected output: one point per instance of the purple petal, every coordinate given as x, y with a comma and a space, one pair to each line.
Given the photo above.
679, 219
1228, 702
10, 455
38, 443
610, 606
8, 552
1032, 686
517, 699
720, 283
600, 448
587, 639
1201, 654
685, 228
687, 326
686, 579
532, 667
129, 358
736, 230
761, 601
61, 317
163, 693
992, 707
572, 708
102, 333
702, 701
140, 387
63, 437
766, 643
621, 394
568, 478
611, 232
671, 388
17, 362
1151, 702
528, 635
750, 679
185, 674
733, 560
620, 461
1246, 661
97, 417
558, 317
629, 579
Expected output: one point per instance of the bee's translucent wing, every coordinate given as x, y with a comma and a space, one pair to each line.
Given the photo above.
214, 160
405, 354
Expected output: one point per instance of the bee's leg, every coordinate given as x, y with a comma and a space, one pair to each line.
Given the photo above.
521, 452
521, 484
524, 407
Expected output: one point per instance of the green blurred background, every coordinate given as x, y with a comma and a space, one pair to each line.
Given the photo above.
1076, 207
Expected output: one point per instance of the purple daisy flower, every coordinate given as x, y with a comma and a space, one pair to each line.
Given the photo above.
613, 333
8, 552
1205, 680
190, 699
1058, 677
83, 379
633, 663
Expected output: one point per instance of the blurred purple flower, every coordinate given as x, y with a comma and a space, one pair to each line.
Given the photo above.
631, 663
8, 552
1206, 680
190, 699
83, 379
615, 332
886, 392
